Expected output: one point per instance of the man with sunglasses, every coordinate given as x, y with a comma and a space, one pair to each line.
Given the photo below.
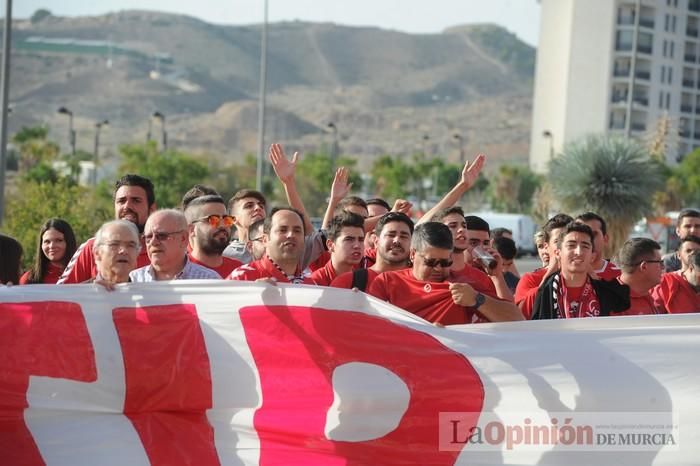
641, 265
209, 229
425, 291
166, 237
134, 201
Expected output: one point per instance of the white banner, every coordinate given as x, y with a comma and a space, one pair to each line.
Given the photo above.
232, 373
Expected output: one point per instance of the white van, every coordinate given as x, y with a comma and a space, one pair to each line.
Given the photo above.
522, 226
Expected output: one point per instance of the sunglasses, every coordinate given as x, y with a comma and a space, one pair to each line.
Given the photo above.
216, 220
432, 263
161, 236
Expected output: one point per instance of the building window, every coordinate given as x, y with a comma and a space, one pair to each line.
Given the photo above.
670, 75
668, 100
663, 73
672, 49
673, 23
666, 23
661, 99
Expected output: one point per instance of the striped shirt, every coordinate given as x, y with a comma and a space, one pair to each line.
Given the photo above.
190, 271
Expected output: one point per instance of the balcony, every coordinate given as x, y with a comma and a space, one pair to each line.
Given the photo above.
646, 22
644, 49
617, 124
692, 32
639, 127
697, 108
686, 108
619, 99
641, 74
621, 72
684, 133
688, 82
625, 20
623, 46
643, 101
690, 58
694, 5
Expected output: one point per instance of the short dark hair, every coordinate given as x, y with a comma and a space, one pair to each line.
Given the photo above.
576, 227
634, 251
432, 234
558, 221
441, 214
590, 216
344, 220
242, 194
137, 180
686, 213
690, 238
267, 226
393, 217
41, 262
196, 191
505, 247
350, 200
11, 255
378, 201
200, 201
475, 223
499, 232
256, 227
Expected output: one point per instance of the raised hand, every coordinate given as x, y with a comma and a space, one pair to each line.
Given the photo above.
402, 205
340, 187
471, 171
284, 169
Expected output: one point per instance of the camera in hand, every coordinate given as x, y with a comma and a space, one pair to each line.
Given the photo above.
486, 259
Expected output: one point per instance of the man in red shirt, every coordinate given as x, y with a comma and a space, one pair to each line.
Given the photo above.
688, 224
479, 237
283, 237
425, 291
679, 292
209, 228
135, 201
345, 243
641, 264
530, 282
393, 233
601, 267
571, 292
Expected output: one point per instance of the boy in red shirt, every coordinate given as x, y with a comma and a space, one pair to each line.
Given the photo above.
345, 243
642, 266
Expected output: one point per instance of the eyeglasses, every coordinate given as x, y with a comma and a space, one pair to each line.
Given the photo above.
216, 220
117, 245
432, 262
161, 236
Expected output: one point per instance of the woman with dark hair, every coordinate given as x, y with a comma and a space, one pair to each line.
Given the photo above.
56, 247
10, 260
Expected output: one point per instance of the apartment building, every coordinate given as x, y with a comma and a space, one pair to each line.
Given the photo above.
617, 67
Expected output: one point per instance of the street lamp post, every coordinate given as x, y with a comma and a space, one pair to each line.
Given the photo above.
334, 149
458, 138
98, 128
71, 131
261, 103
164, 134
7, 39
547, 134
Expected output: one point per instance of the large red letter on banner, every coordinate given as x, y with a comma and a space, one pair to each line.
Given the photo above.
168, 383
296, 350
48, 339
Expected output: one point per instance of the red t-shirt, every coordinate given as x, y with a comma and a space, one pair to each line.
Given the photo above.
82, 267
431, 301
526, 291
344, 280
264, 268
474, 277
321, 261
53, 273
369, 258
226, 267
675, 294
640, 304
609, 271
325, 275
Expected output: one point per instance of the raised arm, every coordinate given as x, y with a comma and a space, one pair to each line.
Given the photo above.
286, 170
470, 173
339, 189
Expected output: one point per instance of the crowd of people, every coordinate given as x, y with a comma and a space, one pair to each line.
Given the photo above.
446, 267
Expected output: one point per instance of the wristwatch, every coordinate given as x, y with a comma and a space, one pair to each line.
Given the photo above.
480, 299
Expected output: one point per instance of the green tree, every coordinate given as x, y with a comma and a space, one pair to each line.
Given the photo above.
686, 177
314, 177
171, 172
32, 203
513, 188
39, 15
613, 177
34, 147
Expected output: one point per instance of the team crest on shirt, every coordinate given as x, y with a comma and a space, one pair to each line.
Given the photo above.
427, 288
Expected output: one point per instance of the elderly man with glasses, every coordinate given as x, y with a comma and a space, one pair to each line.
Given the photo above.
116, 247
209, 229
424, 290
166, 238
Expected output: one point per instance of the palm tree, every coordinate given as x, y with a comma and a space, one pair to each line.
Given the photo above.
616, 178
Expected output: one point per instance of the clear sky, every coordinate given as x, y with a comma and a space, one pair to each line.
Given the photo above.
418, 16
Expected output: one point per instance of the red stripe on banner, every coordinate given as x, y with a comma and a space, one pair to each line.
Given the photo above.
48, 339
296, 350
168, 383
